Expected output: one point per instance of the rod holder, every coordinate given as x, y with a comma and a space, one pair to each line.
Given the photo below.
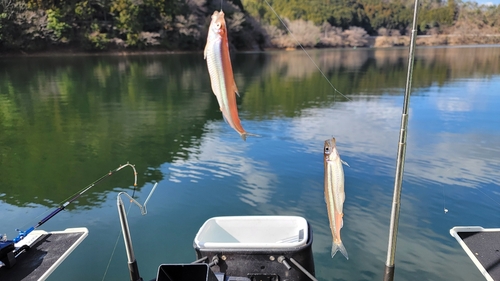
132, 263
282, 260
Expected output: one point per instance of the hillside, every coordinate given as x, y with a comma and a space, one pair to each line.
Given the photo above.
180, 25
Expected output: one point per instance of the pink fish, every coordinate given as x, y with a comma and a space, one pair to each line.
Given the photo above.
221, 72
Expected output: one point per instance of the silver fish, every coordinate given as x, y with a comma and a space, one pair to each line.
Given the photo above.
334, 194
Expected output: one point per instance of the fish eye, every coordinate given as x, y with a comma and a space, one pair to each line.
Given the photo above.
218, 25
327, 150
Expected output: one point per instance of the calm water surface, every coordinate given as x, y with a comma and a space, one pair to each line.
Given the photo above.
64, 122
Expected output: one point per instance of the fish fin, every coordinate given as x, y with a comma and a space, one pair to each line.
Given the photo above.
339, 247
345, 163
236, 89
205, 51
224, 117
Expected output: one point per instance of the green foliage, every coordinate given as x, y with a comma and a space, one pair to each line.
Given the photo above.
257, 8
437, 17
132, 39
338, 13
83, 11
368, 14
350, 15
96, 39
389, 16
41, 4
125, 14
2, 18
181, 24
56, 24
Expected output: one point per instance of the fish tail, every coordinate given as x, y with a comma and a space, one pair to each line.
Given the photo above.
339, 247
246, 134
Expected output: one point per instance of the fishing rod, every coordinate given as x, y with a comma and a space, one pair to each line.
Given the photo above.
400, 160
23, 234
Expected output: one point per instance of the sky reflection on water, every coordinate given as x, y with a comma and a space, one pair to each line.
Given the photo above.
445, 154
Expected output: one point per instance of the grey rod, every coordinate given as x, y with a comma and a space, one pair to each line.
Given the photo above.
396, 202
303, 269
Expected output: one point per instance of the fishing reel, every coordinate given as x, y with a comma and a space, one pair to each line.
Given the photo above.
7, 248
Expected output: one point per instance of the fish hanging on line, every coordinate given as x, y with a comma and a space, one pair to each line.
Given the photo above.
334, 193
221, 72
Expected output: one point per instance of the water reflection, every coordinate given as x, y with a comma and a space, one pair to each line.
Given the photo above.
72, 119
363, 128
369, 130
87, 115
219, 157
90, 108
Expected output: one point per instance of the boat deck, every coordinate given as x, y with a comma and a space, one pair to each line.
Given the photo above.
482, 245
46, 251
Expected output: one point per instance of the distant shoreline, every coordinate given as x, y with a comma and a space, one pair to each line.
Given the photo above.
373, 42
435, 40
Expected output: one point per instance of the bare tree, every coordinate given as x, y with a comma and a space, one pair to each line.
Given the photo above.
331, 36
355, 37
234, 24
301, 33
383, 31
188, 26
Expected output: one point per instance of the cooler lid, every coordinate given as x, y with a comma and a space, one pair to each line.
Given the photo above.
252, 232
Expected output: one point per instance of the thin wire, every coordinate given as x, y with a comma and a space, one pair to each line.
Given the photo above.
119, 235
112, 254
296, 40
489, 197
478, 189
114, 248
444, 202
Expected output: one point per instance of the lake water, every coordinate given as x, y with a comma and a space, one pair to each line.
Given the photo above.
66, 121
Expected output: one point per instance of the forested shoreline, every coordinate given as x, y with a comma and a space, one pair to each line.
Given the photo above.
29, 26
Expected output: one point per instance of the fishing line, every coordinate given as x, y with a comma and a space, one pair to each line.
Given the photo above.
116, 244
117, 238
143, 212
444, 202
497, 202
445, 210
303, 49
478, 189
